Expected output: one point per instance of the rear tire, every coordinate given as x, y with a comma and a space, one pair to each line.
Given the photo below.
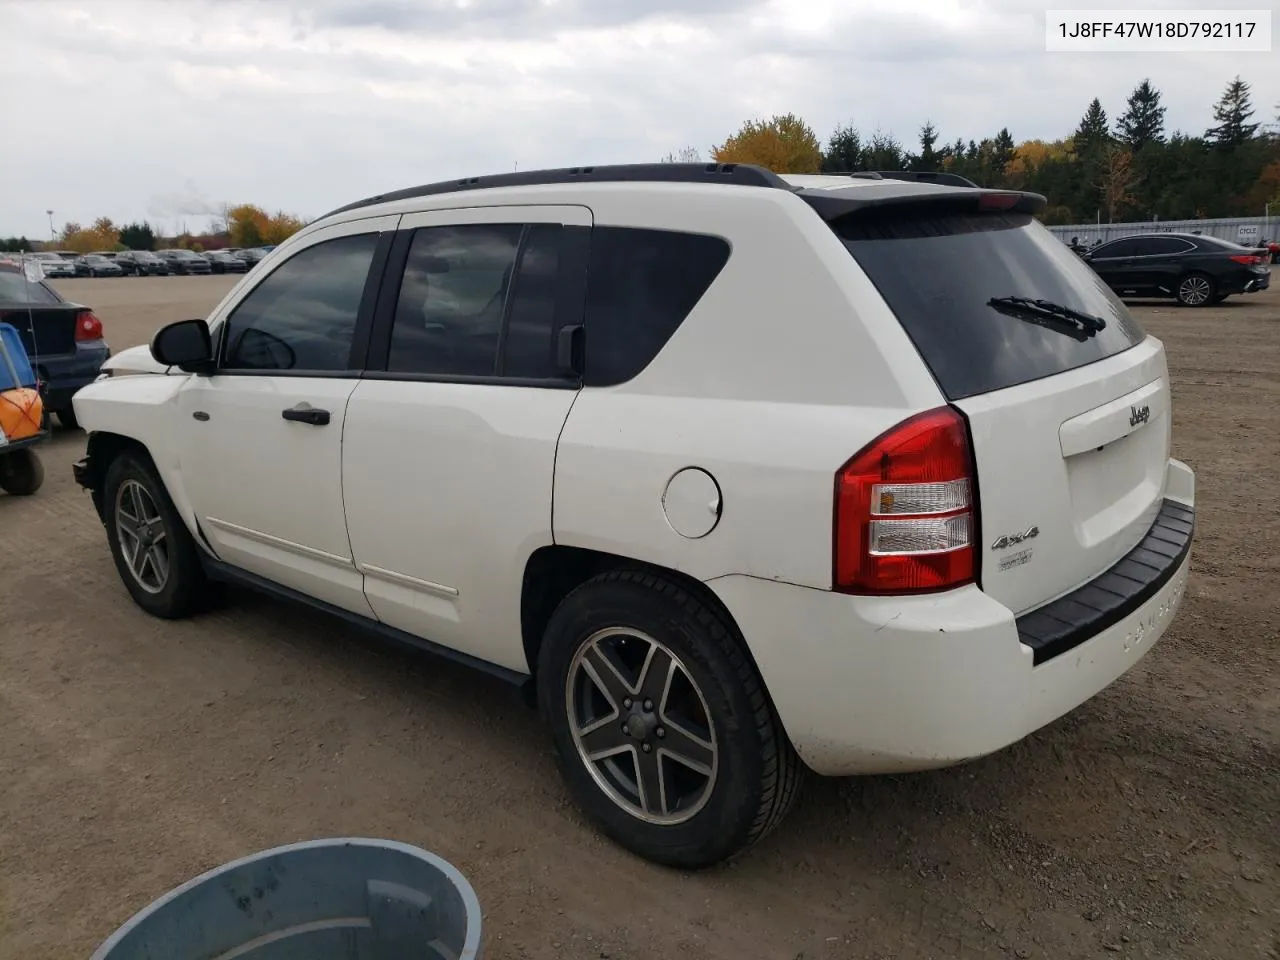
21, 473
154, 552
1196, 290
663, 728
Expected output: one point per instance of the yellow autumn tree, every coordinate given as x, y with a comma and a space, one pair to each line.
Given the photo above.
247, 224
1030, 155
281, 227
101, 235
784, 144
251, 226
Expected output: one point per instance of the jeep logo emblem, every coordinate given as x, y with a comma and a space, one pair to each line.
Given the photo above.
1139, 415
1013, 539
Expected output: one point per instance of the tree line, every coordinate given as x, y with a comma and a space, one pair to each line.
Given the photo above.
1129, 169
242, 225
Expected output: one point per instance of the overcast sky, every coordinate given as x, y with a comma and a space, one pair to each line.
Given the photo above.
164, 109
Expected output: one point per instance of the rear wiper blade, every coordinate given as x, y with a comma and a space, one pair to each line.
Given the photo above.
1085, 323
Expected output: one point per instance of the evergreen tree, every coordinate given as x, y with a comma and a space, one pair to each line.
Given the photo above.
1093, 132
884, 152
1232, 112
928, 158
1002, 150
844, 151
1143, 120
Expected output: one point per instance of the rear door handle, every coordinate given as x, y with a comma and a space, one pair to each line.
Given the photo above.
305, 413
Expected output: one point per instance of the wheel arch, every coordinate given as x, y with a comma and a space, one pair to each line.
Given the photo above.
106, 446
552, 572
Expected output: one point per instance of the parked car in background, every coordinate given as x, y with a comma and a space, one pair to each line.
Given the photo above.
185, 262
1195, 270
222, 262
251, 255
142, 263
63, 339
96, 265
53, 265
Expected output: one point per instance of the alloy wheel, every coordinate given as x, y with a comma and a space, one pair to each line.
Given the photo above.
641, 726
144, 541
1194, 291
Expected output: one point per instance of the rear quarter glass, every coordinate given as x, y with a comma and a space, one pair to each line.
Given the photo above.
937, 272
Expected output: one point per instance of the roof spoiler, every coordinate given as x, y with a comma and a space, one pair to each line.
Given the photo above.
834, 204
917, 176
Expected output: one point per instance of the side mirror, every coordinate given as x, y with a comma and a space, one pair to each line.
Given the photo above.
186, 345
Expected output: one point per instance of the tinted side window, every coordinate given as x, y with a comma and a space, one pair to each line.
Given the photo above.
449, 312
529, 349
641, 284
1158, 246
303, 316
1120, 248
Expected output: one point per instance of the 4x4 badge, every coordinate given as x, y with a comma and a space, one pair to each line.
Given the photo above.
1013, 539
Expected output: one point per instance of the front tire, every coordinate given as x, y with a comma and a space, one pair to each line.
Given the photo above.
67, 417
152, 548
663, 728
21, 473
1196, 290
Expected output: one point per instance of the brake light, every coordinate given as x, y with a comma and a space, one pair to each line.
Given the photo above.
905, 513
88, 326
1247, 259
998, 201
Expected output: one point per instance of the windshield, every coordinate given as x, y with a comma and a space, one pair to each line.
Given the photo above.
951, 280
16, 288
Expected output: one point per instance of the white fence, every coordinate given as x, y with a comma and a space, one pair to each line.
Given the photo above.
1243, 230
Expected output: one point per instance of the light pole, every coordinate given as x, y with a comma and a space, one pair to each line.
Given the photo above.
52, 236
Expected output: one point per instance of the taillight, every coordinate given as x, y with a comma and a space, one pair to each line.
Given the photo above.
1247, 259
998, 201
905, 515
88, 326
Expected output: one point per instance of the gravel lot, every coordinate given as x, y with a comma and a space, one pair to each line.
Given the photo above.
135, 754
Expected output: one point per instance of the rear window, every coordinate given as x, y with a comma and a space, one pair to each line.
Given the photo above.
938, 272
16, 288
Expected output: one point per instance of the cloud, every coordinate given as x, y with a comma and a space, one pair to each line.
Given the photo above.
304, 105
186, 202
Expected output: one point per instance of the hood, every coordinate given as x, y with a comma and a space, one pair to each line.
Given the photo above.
134, 360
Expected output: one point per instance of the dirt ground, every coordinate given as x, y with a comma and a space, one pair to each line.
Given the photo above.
135, 754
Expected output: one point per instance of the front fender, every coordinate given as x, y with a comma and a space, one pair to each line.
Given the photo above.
141, 409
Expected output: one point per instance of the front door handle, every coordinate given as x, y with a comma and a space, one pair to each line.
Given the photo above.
305, 413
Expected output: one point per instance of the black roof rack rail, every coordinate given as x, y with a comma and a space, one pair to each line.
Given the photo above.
925, 176
738, 174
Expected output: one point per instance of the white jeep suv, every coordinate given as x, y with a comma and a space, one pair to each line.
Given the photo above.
742, 474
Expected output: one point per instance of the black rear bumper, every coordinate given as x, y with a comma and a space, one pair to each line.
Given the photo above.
1088, 610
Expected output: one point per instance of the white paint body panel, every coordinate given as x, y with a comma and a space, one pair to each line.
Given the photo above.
132, 361
883, 685
1092, 504
268, 491
448, 490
